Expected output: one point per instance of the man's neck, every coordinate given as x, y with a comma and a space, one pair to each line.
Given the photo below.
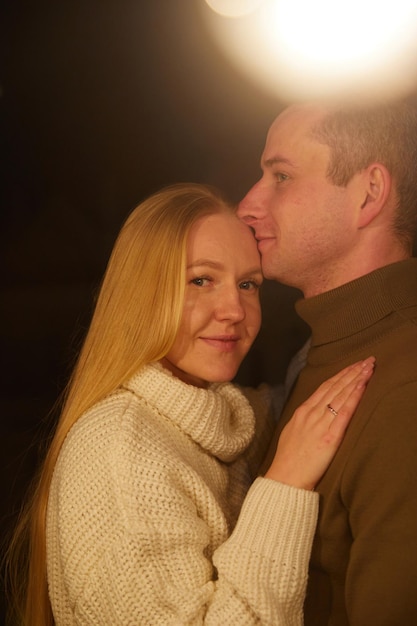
355, 270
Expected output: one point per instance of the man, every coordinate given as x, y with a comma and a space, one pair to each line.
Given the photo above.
335, 215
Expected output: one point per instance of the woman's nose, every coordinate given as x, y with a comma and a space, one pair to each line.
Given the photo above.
229, 306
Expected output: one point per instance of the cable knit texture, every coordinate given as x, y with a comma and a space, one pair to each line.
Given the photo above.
363, 565
146, 493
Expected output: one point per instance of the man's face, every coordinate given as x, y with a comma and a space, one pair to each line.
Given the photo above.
304, 224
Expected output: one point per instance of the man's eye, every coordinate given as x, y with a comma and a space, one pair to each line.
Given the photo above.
280, 177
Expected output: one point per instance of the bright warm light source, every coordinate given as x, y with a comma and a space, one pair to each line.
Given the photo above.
233, 8
300, 48
329, 33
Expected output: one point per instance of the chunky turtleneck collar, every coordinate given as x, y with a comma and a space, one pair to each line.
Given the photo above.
219, 418
349, 310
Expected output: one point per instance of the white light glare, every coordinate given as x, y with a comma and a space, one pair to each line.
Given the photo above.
329, 33
320, 47
233, 8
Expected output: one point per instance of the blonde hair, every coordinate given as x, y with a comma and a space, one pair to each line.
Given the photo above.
135, 322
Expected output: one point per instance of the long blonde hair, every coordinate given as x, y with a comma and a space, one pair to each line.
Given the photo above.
135, 322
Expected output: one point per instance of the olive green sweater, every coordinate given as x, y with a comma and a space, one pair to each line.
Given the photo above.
364, 562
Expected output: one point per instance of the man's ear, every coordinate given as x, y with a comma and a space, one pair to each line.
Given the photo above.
377, 181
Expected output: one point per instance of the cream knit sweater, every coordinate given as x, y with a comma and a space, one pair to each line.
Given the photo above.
141, 522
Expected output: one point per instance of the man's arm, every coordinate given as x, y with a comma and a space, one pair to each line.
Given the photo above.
379, 489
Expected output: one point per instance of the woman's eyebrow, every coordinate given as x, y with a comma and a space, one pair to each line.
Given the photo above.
217, 265
205, 262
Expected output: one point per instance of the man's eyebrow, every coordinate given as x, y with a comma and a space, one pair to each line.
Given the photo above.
268, 163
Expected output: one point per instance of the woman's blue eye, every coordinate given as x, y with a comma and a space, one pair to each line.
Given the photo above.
249, 284
199, 281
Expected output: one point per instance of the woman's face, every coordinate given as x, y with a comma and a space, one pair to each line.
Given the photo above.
221, 315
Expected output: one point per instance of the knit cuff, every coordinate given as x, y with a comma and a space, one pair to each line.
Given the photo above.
276, 516
265, 560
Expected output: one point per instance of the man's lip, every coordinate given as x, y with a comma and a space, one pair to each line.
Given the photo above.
263, 240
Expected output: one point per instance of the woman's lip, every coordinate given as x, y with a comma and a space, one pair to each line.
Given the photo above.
226, 343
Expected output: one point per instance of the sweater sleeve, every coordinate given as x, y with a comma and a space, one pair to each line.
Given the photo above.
158, 572
262, 567
132, 528
380, 491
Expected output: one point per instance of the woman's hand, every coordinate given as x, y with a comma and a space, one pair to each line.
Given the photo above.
311, 438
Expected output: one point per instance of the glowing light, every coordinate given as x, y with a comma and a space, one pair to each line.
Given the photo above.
301, 48
329, 33
233, 8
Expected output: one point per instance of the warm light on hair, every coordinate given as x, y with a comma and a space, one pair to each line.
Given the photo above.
135, 322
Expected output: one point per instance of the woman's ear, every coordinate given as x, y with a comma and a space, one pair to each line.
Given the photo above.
377, 181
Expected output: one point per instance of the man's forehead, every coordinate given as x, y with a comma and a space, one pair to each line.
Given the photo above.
287, 131
290, 136
299, 116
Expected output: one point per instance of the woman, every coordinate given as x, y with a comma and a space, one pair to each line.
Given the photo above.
142, 514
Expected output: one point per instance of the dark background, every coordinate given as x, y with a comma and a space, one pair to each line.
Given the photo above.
103, 102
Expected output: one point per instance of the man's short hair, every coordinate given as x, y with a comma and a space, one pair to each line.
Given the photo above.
385, 133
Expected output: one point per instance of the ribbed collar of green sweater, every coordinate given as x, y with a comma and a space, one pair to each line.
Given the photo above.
349, 312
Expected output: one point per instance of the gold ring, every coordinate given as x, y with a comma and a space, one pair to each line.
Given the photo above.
332, 410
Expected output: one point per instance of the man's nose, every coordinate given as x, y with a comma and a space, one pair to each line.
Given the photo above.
250, 206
